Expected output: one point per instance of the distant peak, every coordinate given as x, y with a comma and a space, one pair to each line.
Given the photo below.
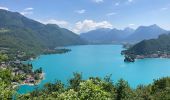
128, 28
154, 25
102, 29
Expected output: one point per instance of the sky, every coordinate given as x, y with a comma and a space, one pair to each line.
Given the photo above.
85, 15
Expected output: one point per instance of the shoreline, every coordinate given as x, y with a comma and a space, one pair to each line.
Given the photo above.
133, 58
31, 84
38, 81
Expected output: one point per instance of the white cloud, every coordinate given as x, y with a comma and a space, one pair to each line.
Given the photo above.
61, 23
87, 25
98, 1
111, 14
132, 25
117, 4
130, 0
82, 11
4, 8
27, 11
165, 8
79, 27
30, 8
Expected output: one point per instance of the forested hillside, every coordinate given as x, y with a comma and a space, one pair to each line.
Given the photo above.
152, 48
19, 32
146, 47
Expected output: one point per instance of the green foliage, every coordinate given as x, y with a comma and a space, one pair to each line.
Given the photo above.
143, 93
93, 91
161, 84
3, 57
6, 76
53, 87
68, 95
75, 81
31, 36
6, 89
93, 88
38, 70
152, 46
123, 90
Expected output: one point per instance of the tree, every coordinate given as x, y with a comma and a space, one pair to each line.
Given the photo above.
91, 91
123, 90
75, 81
6, 88
68, 95
3, 57
6, 91
143, 93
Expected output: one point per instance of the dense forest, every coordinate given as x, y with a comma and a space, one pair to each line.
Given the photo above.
162, 44
93, 88
152, 48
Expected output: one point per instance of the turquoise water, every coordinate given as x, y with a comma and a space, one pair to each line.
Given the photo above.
99, 60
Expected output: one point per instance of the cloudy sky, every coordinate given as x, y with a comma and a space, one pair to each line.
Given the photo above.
84, 15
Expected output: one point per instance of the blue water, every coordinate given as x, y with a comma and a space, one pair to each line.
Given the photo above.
99, 60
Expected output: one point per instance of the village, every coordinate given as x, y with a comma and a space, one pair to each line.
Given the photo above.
23, 74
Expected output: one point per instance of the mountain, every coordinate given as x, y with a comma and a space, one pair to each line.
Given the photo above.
104, 35
151, 48
146, 32
95, 36
17, 31
126, 35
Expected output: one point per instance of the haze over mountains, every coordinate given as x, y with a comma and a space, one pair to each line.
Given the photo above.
146, 32
126, 35
107, 35
17, 31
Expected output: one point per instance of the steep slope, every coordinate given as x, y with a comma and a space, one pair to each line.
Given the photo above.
17, 31
146, 32
152, 48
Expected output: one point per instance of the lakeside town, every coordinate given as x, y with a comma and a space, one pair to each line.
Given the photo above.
132, 57
23, 74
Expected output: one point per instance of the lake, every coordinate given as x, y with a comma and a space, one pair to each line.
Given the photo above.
98, 60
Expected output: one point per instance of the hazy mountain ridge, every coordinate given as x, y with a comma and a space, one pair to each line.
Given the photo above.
146, 32
106, 35
126, 35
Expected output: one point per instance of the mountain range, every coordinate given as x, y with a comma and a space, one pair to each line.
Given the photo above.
145, 33
106, 35
20, 32
126, 35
